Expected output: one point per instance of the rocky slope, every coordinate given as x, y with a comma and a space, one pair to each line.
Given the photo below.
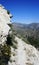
4, 21
4, 32
25, 54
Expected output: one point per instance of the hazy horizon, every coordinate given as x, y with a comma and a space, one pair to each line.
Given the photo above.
26, 23
23, 11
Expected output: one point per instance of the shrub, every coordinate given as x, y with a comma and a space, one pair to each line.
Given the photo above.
9, 40
4, 54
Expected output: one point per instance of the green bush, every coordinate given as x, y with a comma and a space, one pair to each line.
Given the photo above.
8, 11
9, 40
33, 41
5, 54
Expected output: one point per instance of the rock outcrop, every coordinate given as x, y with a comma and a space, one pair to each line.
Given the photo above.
5, 31
4, 21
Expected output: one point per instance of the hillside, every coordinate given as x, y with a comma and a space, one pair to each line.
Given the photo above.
25, 54
29, 32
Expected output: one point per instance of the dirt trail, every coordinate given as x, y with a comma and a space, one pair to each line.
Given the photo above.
21, 56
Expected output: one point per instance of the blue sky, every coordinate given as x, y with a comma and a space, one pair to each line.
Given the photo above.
23, 11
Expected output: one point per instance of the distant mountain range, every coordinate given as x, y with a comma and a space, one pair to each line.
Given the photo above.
29, 31
31, 26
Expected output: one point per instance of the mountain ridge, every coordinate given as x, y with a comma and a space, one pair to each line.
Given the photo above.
29, 31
